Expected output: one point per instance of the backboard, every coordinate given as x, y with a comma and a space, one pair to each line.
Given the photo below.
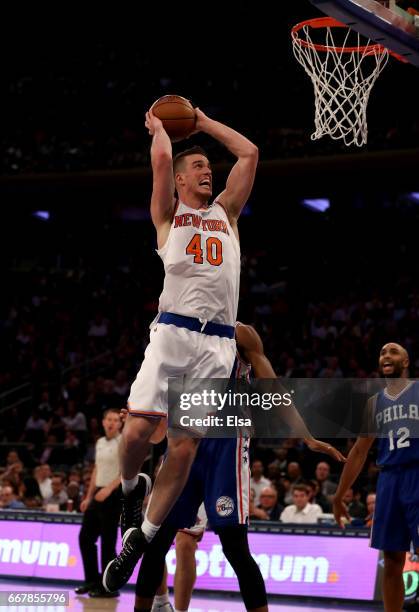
382, 21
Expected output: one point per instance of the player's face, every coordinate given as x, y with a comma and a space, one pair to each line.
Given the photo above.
392, 361
198, 175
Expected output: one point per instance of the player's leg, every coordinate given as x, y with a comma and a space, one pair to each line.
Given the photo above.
185, 575
170, 482
227, 506
236, 550
410, 497
147, 404
213, 359
134, 447
393, 585
391, 533
152, 567
161, 602
208, 358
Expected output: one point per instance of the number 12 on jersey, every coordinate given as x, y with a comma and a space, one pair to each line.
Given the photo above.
213, 247
402, 438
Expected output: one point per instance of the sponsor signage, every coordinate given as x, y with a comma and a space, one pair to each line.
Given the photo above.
322, 566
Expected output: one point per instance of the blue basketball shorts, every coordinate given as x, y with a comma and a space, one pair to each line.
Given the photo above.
220, 477
396, 516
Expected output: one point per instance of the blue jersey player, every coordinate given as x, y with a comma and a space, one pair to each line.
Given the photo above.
394, 412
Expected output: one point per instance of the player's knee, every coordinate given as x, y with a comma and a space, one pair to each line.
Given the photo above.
182, 452
394, 563
234, 541
186, 545
138, 429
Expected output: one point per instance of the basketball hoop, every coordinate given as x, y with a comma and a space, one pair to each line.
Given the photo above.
343, 71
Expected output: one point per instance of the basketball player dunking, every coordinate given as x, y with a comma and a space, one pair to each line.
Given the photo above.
395, 413
193, 334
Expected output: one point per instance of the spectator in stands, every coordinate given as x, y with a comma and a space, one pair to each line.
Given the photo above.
355, 507
280, 461
12, 458
256, 513
86, 479
74, 476
14, 473
35, 428
30, 493
295, 477
73, 492
301, 511
315, 497
72, 451
322, 474
76, 421
51, 453
98, 326
59, 495
42, 474
121, 386
45, 407
56, 426
9, 499
258, 480
269, 503
370, 509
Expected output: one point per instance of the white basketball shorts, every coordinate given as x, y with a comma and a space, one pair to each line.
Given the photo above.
176, 352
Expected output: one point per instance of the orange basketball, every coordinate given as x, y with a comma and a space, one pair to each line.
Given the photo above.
177, 114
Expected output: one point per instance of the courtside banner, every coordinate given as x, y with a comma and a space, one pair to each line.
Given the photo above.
322, 566
291, 407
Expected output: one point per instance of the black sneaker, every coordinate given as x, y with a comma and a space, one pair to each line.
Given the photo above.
132, 504
119, 571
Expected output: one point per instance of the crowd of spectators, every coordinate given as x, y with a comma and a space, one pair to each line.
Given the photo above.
298, 494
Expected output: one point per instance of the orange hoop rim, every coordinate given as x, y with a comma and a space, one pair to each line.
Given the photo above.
330, 22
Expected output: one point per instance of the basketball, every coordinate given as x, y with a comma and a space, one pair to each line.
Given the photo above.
177, 114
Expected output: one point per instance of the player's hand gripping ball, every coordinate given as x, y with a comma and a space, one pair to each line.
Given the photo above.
177, 115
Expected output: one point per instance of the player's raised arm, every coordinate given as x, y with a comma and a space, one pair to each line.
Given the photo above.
240, 181
251, 346
162, 199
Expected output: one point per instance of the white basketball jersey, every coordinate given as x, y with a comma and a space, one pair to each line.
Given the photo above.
201, 260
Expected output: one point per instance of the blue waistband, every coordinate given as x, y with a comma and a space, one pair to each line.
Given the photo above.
199, 325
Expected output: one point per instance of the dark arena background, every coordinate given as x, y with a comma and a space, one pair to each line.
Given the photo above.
329, 247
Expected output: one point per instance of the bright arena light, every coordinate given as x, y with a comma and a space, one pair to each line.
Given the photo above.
317, 204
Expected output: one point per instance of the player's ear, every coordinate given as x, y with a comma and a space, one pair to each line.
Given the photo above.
179, 178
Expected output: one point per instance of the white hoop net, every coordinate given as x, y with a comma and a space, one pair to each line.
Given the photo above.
343, 73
